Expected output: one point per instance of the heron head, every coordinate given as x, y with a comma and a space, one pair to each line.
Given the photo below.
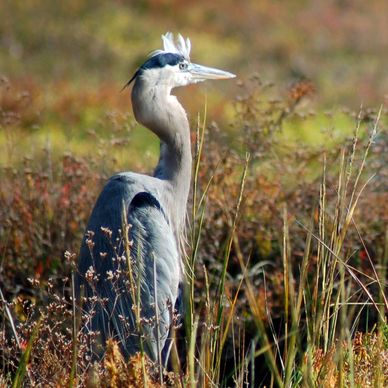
171, 67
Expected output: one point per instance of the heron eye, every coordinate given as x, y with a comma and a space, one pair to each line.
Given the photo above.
183, 66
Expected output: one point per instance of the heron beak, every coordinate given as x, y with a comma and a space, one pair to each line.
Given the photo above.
201, 73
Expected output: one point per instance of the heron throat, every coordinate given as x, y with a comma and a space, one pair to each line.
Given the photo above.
161, 112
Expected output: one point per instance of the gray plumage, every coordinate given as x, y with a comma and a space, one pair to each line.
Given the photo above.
152, 209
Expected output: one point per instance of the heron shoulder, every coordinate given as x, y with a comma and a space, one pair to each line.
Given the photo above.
129, 184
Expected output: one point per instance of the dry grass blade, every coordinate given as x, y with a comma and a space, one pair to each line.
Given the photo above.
348, 268
73, 372
377, 277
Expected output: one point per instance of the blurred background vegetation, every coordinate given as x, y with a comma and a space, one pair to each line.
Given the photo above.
67, 61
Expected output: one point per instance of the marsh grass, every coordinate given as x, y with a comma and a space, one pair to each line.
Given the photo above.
285, 265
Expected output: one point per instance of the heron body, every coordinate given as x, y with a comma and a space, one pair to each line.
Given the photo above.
132, 299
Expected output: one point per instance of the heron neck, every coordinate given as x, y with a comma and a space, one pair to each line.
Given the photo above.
174, 166
161, 112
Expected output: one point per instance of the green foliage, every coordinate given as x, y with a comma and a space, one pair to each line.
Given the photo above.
25, 358
385, 335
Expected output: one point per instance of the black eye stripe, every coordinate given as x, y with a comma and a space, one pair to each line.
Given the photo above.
161, 60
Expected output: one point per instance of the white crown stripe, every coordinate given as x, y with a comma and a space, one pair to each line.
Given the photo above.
180, 46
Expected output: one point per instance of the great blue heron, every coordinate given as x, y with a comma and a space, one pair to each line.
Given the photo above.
132, 298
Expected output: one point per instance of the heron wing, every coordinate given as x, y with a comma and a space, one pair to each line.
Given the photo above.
154, 262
